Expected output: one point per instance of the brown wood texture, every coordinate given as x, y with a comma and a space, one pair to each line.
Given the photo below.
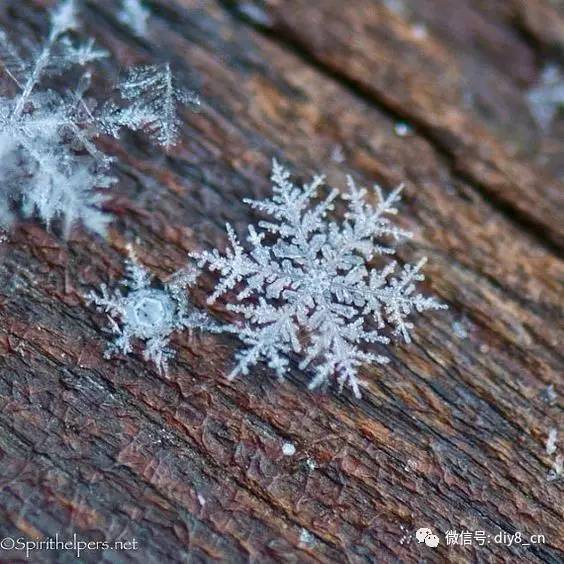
450, 435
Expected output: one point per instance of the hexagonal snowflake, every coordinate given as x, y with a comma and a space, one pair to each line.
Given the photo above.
149, 313
317, 286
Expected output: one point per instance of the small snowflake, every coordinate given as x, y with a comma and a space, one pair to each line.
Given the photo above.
288, 449
308, 285
149, 313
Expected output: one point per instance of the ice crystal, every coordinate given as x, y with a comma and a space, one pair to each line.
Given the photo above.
551, 441
555, 473
402, 129
337, 154
459, 330
150, 312
50, 163
549, 394
547, 97
306, 537
152, 97
306, 284
288, 449
134, 15
38, 132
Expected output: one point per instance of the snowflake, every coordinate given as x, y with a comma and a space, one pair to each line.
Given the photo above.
305, 285
50, 163
150, 313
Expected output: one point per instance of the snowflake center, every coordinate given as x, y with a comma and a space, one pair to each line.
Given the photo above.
150, 312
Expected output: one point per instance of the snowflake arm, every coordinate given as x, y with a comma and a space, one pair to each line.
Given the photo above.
12, 61
367, 225
157, 350
154, 97
262, 344
63, 19
234, 266
138, 277
338, 343
399, 300
111, 303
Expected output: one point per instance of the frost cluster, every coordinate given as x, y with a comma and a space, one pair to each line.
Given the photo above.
50, 162
310, 285
149, 312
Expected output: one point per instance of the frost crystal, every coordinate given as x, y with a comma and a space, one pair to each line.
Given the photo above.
305, 285
150, 313
38, 131
49, 161
153, 97
134, 15
547, 97
551, 441
306, 537
549, 394
288, 449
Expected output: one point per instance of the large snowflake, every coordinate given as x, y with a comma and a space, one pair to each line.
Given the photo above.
306, 284
149, 313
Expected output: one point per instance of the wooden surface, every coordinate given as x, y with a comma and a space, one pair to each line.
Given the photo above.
450, 435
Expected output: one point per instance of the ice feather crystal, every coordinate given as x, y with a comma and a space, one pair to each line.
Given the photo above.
305, 284
149, 312
152, 97
50, 162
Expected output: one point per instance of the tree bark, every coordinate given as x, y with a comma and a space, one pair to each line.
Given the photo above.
450, 435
